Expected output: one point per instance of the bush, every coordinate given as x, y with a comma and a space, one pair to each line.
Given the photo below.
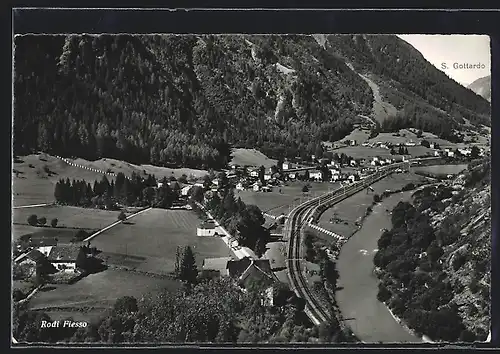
474, 286
376, 198
408, 187
383, 293
54, 222
458, 261
467, 336
122, 216
305, 189
81, 235
42, 220
33, 220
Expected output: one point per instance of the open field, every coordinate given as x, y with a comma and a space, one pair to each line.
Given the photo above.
441, 169
352, 209
126, 168
69, 216
34, 186
369, 319
251, 157
155, 235
275, 203
359, 135
367, 152
98, 291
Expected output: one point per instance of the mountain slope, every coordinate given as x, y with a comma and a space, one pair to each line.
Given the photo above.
482, 87
186, 100
435, 262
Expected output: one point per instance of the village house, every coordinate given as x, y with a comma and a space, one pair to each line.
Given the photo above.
266, 189
159, 184
43, 245
256, 186
286, 166
247, 271
240, 186
465, 152
206, 229
351, 178
432, 145
353, 163
254, 173
451, 154
267, 177
31, 258
63, 258
216, 265
315, 176
185, 191
436, 153
334, 178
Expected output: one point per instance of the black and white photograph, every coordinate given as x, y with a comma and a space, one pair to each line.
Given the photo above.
251, 189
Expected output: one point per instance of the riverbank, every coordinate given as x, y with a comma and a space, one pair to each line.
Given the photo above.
368, 318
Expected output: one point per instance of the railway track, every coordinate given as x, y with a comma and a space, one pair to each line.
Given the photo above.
308, 211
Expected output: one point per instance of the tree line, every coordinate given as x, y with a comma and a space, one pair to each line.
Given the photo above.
135, 191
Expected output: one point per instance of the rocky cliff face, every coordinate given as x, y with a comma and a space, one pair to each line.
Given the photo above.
482, 87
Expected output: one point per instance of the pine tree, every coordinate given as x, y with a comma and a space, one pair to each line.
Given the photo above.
188, 270
177, 261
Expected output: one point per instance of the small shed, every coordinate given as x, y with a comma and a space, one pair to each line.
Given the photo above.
206, 229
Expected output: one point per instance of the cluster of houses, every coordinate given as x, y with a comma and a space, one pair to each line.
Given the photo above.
62, 257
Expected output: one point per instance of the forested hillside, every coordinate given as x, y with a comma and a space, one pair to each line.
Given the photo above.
425, 97
434, 264
185, 100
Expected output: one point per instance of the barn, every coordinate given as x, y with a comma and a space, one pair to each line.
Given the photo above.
206, 229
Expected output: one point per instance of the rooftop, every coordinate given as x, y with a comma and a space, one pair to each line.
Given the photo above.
64, 253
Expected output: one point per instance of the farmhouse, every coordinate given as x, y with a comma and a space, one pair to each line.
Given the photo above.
216, 264
43, 245
32, 257
64, 257
247, 270
315, 175
206, 229
286, 165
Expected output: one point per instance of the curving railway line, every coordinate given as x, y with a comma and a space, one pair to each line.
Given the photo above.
309, 210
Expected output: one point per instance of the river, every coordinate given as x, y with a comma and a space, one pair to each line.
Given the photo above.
368, 318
